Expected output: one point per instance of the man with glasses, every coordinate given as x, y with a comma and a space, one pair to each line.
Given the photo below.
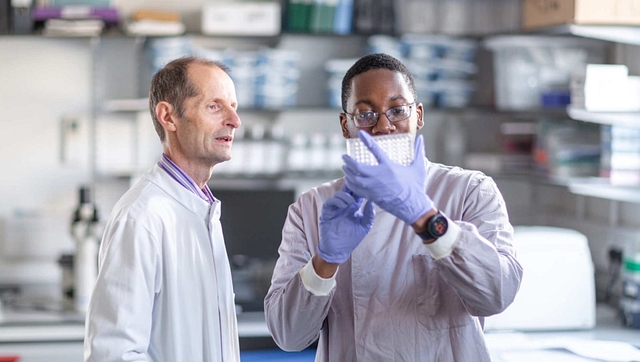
410, 273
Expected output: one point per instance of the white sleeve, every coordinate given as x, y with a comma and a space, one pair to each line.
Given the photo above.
444, 245
119, 318
314, 283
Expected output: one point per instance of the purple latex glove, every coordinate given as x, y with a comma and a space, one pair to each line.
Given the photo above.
397, 189
343, 226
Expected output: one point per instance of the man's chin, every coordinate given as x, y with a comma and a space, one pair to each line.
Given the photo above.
222, 159
217, 159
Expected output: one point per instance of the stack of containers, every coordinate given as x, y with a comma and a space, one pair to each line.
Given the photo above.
336, 69
441, 65
276, 82
157, 53
620, 154
386, 44
265, 78
244, 73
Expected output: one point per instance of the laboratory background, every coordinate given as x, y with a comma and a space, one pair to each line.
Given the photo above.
543, 96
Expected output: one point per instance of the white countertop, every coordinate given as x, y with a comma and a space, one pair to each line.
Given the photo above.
31, 325
40, 325
55, 336
65, 328
553, 346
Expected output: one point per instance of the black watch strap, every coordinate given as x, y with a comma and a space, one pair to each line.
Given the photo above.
437, 225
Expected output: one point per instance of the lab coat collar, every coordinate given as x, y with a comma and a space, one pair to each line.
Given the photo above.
186, 198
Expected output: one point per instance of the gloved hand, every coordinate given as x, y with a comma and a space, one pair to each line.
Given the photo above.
343, 226
397, 189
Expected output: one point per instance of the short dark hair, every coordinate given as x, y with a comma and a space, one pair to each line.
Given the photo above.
375, 61
172, 84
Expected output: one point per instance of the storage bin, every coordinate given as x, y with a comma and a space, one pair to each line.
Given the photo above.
530, 70
431, 46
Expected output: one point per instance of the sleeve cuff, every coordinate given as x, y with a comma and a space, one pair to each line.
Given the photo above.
314, 283
445, 244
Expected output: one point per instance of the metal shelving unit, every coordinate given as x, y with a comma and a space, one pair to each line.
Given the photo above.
129, 104
627, 119
589, 187
602, 187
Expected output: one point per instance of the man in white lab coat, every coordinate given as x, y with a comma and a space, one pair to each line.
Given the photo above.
164, 290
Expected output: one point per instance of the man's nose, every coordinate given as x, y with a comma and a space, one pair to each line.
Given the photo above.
233, 119
383, 126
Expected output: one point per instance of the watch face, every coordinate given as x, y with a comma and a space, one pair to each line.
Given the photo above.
438, 225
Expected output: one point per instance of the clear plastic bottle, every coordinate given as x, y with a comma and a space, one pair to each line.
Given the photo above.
298, 153
256, 150
274, 150
630, 301
318, 152
337, 148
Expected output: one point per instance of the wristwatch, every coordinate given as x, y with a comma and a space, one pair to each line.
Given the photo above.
437, 226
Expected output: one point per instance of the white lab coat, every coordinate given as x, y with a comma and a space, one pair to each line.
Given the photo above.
164, 290
393, 301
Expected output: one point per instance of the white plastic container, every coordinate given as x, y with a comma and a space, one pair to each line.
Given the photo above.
631, 275
630, 313
237, 18
528, 67
558, 287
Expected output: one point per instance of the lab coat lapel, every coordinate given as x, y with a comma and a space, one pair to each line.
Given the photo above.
229, 332
210, 215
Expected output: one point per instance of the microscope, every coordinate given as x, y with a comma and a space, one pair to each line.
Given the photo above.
86, 230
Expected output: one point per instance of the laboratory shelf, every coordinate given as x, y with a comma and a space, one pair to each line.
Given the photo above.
602, 188
627, 119
126, 105
623, 34
598, 187
133, 105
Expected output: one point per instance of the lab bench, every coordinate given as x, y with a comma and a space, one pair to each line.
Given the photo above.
39, 336
556, 346
57, 336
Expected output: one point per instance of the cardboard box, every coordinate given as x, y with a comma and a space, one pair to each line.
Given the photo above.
541, 13
244, 18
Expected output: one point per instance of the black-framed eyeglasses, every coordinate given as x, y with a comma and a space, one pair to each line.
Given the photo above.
370, 119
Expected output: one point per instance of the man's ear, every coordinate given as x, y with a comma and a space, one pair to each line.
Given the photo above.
344, 125
166, 117
420, 112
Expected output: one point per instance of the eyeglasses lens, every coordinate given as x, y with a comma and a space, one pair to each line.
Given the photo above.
395, 114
